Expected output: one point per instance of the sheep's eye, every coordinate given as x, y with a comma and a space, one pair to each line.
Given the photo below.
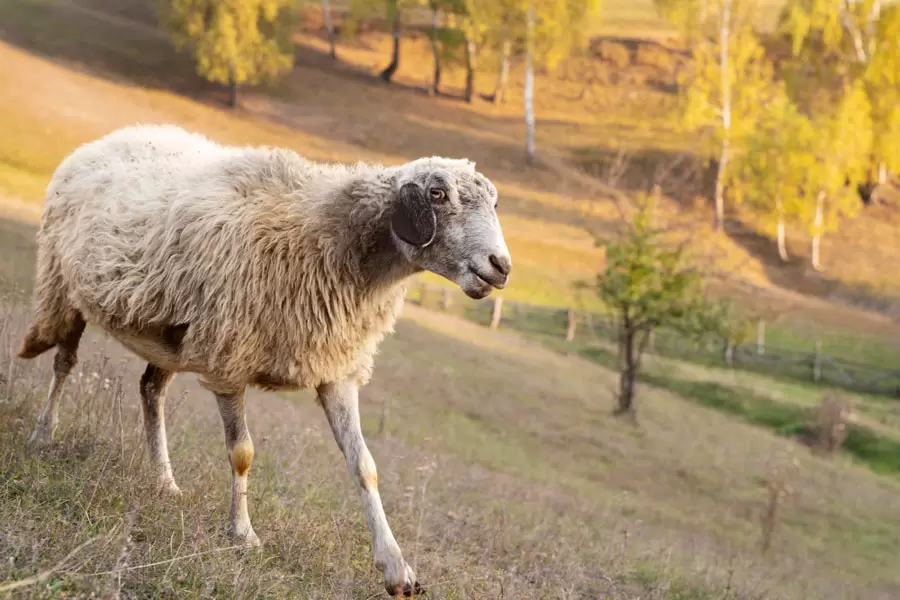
438, 194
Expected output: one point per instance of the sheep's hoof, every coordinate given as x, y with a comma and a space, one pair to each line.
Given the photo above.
410, 587
246, 539
415, 589
40, 438
168, 489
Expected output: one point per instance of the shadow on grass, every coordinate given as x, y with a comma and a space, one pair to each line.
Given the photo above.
879, 453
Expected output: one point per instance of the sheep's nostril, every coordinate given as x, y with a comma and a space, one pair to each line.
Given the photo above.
501, 263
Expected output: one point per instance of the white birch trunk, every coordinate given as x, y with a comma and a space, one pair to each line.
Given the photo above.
724, 31
817, 230
503, 74
782, 246
529, 85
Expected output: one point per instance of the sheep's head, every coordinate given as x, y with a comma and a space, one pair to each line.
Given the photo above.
445, 221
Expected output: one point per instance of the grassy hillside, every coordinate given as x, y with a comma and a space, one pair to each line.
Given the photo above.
504, 475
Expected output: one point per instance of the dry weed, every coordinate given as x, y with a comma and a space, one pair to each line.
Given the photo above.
779, 485
830, 420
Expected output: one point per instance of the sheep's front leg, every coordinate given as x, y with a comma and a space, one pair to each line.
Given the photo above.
240, 454
341, 404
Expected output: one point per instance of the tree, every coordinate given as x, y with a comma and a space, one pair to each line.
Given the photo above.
723, 320
475, 18
837, 43
234, 42
505, 50
529, 84
649, 284
435, 46
775, 167
395, 11
553, 29
807, 169
840, 149
729, 81
329, 29
395, 16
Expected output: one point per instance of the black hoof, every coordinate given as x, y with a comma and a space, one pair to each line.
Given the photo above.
416, 589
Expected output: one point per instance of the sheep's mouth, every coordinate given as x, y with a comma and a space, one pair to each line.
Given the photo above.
491, 281
483, 287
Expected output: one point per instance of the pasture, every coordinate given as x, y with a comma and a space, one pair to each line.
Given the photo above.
503, 472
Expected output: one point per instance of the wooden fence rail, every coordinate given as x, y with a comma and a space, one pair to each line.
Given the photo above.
574, 325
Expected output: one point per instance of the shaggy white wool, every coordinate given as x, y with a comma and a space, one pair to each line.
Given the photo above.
258, 252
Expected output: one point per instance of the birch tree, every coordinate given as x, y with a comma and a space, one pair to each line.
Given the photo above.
529, 84
504, 52
841, 42
729, 81
233, 42
553, 29
774, 172
841, 147
806, 170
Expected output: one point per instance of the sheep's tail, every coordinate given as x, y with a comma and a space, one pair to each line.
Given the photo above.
55, 317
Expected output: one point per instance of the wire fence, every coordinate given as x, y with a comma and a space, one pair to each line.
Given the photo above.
858, 363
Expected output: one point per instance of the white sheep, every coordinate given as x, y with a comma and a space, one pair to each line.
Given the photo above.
251, 266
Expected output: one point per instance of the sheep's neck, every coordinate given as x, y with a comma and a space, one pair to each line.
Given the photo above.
383, 265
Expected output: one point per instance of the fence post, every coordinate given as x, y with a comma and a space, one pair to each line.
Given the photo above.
422, 289
571, 326
729, 353
498, 310
761, 337
817, 362
445, 304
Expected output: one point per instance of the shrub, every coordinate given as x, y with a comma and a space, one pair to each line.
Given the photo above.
830, 419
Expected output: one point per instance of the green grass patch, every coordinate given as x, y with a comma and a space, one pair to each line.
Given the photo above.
877, 452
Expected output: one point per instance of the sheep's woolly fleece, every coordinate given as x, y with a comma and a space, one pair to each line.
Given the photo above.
247, 265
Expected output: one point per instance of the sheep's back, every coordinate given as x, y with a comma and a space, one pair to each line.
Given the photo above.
109, 217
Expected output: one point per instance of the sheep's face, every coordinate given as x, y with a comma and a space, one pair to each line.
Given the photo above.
445, 221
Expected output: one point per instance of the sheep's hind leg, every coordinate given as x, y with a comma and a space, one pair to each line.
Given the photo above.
63, 362
239, 446
154, 384
341, 404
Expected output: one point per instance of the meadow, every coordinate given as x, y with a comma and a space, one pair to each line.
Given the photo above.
504, 473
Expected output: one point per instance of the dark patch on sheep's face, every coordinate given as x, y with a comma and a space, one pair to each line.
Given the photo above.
467, 245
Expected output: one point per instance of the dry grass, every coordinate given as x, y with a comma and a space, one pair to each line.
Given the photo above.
559, 502
504, 474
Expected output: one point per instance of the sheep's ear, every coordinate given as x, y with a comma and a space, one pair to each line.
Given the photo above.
414, 220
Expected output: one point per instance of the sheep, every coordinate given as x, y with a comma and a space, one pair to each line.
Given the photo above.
251, 266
